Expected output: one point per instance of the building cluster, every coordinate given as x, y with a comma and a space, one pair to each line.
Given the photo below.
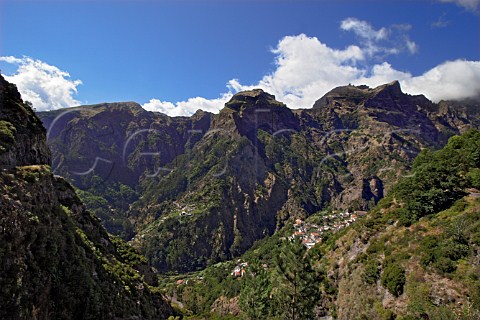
240, 269
311, 234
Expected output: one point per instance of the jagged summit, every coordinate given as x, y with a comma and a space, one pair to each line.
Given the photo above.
355, 95
393, 87
248, 111
386, 97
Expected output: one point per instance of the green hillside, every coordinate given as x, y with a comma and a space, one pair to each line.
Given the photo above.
414, 256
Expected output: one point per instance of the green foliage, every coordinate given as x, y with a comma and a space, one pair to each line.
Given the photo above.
199, 292
255, 292
441, 252
295, 284
393, 278
439, 178
7, 135
473, 177
371, 272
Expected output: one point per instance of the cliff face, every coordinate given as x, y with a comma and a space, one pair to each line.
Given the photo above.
56, 260
22, 136
217, 183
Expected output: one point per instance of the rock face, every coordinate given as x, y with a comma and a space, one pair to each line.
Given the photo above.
22, 136
56, 259
217, 183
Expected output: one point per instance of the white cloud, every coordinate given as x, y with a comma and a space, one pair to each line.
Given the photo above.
306, 69
45, 86
450, 80
411, 46
363, 29
306, 66
468, 4
189, 107
386, 41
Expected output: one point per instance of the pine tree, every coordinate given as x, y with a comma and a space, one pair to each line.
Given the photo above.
255, 293
295, 289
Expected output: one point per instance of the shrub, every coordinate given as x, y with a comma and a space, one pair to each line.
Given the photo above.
7, 135
371, 272
393, 278
445, 265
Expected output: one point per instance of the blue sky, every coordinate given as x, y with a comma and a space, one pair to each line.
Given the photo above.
178, 56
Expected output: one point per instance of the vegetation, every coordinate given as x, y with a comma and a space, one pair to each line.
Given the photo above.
393, 278
420, 243
56, 260
7, 135
220, 192
439, 178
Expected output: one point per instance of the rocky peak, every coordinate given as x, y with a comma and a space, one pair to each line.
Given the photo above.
256, 98
391, 89
255, 109
22, 135
391, 97
350, 95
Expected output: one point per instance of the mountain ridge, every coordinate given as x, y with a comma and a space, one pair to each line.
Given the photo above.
248, 169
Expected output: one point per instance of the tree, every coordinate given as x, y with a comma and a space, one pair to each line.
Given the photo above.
255, 293
295, 285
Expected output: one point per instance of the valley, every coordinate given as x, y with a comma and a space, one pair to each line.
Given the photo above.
258, 212
188, 191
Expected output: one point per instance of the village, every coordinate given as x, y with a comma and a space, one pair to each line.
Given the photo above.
310, 233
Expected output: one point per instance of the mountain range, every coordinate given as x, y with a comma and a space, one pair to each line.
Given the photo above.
190, 194
191, 191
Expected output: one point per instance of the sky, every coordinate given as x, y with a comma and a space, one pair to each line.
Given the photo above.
179, 56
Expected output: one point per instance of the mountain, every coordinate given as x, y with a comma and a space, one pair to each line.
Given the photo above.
189, 191
105, 149
413, 256
56, 259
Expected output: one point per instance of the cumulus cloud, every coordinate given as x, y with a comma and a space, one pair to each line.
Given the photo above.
306, 69
450, 80
468, 4
45, 86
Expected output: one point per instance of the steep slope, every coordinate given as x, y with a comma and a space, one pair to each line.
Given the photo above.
105, 149
416, 255
383, 130
241, 174
56, 260
219, 198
